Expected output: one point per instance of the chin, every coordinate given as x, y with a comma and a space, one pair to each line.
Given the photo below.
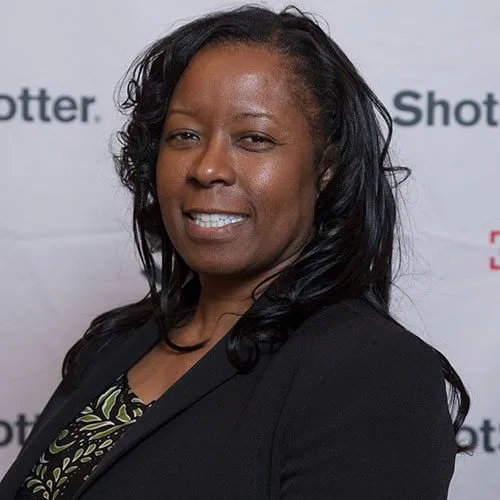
224, 268
215, 269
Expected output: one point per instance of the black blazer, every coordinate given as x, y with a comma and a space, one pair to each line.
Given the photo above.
352, 406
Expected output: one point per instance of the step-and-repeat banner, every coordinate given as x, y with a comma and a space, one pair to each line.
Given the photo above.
66, 250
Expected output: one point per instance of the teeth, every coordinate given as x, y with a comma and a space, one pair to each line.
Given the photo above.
215, 220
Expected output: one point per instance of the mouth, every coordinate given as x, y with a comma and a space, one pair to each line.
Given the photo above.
214, 220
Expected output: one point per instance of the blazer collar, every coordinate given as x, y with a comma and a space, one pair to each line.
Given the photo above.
212, 370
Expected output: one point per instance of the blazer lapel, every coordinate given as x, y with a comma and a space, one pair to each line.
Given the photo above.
212, 370
125, 355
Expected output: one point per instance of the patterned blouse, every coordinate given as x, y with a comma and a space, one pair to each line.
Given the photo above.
76, 452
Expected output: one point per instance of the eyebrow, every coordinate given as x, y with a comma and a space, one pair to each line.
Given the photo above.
239, 116
255, 114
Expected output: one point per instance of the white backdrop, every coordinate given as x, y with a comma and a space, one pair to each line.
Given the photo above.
65, 241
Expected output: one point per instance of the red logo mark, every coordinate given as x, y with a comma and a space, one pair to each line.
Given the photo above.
494, 239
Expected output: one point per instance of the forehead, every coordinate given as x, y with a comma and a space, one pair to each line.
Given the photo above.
236, 77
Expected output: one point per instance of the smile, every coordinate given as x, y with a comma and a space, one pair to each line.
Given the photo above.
214, 220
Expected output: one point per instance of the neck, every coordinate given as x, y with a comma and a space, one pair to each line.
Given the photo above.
222, 301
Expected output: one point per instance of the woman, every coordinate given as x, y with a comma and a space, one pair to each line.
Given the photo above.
263, 363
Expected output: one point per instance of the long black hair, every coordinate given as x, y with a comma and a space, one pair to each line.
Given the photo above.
351, 253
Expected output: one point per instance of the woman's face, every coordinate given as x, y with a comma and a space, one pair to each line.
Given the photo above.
235, 175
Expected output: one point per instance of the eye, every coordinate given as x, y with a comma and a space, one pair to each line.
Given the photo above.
257, 142
181, 137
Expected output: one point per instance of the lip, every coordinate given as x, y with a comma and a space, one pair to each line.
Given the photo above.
223, 233
221, 211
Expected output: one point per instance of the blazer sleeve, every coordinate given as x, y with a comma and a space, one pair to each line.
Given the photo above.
376, 428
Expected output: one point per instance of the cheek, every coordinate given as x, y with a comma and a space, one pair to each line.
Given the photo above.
168, 185
166, 176
287, 192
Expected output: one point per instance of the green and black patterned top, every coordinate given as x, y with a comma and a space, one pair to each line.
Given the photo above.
75, 453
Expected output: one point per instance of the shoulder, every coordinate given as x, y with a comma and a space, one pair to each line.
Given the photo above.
366, 410
354, 365
352, 332
105, 346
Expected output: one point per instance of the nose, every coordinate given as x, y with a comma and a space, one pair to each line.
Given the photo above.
213, 165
